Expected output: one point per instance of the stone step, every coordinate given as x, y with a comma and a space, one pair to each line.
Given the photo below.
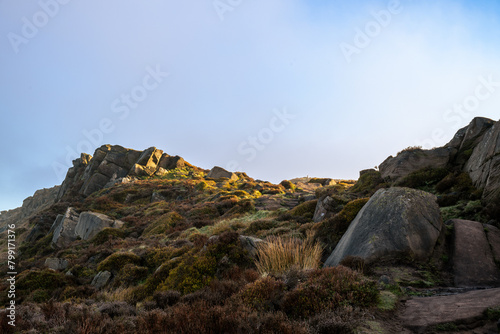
424, 312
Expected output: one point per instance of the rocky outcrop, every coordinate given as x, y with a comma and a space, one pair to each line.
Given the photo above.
40, 200
91, 223
472, 258
111, 165
218, 172
395, 222
63, 228
409, 161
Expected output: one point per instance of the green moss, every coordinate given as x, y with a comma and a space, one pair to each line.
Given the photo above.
387, 301
115, 262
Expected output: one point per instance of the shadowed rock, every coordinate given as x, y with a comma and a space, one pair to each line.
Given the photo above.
64, 228
473, 262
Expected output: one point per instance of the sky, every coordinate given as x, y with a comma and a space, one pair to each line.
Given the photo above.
277, 89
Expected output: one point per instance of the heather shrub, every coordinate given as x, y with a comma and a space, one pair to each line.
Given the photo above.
117, 309
264, 294
278, 255
107, 234
327, 289
115, 262
342, 321
288, 185
165, 299
32, 280
163, 224
131, 274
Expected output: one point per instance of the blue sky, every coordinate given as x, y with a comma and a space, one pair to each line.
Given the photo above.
278, 90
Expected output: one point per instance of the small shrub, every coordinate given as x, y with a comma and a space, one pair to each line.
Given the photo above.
131, 274
368, 182
305, 209
288, 185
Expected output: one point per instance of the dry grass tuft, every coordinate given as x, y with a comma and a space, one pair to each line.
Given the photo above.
279, 255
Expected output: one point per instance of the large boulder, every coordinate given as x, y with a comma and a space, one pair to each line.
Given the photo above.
473, 261
409, 161
395, 222
91, 223
218, 172
63, 228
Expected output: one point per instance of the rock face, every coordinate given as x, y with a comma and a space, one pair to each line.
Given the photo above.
394, 168
90, 223
111, 165
473, 261
56, 263
484, 164
64, 228
218, 172
394, 222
